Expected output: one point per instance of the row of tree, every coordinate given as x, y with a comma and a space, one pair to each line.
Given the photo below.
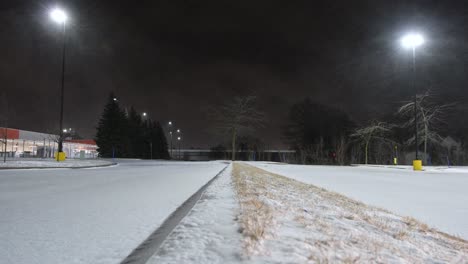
127, 134
321, 135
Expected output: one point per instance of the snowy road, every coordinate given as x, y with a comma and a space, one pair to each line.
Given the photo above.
91, 215
438, 198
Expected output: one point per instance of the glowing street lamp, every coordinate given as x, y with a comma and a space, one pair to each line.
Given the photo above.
412, 41
60, 17
144, 114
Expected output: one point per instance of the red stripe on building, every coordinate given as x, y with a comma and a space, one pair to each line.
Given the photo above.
82, 141
11, 133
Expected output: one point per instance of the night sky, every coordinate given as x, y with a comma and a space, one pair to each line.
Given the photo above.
173, 58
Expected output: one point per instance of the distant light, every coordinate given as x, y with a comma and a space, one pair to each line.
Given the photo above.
115, 99
144, 114
58, 15
178, 138
178, 130
412, 40
65, 131
170, 123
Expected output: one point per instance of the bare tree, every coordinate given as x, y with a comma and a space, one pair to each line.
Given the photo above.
430, 114
236, 115
341, 146
376, 130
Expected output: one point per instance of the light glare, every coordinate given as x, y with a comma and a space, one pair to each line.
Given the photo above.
412, 40
58, 15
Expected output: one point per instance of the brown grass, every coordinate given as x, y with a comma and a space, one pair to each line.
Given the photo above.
316, 212
256, 216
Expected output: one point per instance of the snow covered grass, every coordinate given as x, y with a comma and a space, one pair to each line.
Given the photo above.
284, 220
51, 163
256, 218
436, 196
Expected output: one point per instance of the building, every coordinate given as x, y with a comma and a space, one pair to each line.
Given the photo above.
22, 143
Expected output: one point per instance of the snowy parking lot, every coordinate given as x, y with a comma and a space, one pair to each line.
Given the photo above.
91, 215
31, 163
100, 215
437, 196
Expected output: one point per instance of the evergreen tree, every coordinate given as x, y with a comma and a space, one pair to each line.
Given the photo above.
158, 141
112, 131
137, 131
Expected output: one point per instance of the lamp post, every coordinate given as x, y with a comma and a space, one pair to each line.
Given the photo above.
412, 41
178, 139
148, 126
179, 134
60, 17
170, 133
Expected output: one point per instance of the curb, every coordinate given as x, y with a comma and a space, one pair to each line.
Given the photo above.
78, 167
150, 246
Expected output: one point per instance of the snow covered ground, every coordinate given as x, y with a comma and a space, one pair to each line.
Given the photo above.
209, 233
437, 196
91, 215
51, 163
254, 216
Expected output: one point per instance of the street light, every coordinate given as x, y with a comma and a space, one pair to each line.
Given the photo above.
148, 125
178, 140
60, 17
412, 41
170, 133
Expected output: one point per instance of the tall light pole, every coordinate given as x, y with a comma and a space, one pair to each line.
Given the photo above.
60, 17
148, 126
178, 139
170, 133
179, 134
412, 41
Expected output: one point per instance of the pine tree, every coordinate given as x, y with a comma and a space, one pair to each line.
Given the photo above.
112, 132
137, 129
158, 141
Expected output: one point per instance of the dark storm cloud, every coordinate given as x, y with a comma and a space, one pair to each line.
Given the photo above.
172, 58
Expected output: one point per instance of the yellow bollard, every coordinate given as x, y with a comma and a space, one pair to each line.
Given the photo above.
417, 165
61, 156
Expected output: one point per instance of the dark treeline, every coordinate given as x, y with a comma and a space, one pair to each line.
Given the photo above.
129, 135
324, 135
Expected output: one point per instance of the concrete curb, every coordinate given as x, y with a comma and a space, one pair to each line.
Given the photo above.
145, 250
78, 167
379, 166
